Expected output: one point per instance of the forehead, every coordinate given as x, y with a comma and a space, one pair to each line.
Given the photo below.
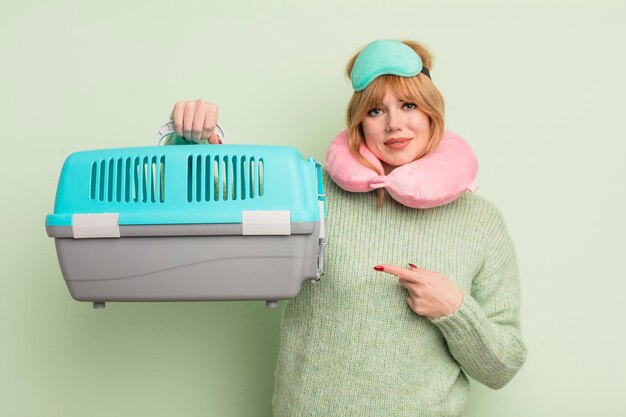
390, 89
390, 98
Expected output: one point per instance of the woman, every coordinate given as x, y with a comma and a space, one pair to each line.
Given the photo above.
361, 342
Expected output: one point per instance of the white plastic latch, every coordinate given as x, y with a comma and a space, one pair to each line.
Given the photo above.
85, 226
266, 222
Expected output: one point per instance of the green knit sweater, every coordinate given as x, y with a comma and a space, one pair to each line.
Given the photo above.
351, 346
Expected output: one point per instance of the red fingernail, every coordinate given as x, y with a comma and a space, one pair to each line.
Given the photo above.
379, 268
412, 266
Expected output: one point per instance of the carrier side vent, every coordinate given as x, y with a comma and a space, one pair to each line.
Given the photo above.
128, 180
223, 178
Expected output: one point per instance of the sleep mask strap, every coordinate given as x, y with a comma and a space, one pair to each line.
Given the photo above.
385, 57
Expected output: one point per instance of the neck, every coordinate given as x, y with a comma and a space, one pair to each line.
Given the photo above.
387, 168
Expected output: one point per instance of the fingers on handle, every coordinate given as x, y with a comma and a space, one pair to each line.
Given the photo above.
215, 140
188, 117
177, 116
202, 127
195, 120
209, 122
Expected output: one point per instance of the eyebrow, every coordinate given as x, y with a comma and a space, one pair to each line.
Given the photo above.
401, 102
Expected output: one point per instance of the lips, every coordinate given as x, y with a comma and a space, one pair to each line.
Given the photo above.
397, 143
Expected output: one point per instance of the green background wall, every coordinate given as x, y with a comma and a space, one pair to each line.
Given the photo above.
537, 87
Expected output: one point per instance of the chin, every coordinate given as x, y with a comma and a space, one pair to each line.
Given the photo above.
396, 162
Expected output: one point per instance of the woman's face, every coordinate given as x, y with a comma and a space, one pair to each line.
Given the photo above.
396, 132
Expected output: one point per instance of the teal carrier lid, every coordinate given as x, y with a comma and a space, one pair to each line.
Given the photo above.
189, 223
199, 184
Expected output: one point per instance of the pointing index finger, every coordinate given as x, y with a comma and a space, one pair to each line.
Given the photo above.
392, 269
403, 274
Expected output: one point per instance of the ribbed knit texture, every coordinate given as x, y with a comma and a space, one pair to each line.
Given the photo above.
351, 346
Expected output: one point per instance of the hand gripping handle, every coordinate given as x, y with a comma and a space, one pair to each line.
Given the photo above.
168, 129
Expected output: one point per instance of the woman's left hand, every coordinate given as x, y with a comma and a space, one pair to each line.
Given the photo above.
431, 294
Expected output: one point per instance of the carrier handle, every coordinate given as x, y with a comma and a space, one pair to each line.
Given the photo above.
168, 129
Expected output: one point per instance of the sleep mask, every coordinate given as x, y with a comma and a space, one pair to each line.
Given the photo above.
385, 57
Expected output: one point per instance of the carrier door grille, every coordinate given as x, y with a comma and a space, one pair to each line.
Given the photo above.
223, 178
128, 180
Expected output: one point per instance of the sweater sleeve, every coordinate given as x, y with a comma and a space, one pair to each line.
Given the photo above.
484, 334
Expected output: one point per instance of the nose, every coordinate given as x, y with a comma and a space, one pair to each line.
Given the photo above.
394, 120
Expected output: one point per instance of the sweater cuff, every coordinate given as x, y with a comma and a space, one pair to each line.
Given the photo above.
467, 319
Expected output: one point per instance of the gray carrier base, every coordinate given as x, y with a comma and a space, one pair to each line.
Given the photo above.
189, 263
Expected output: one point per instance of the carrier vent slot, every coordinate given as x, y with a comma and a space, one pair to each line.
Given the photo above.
223, 178
233, 173
261, 182
252, 187
126, 180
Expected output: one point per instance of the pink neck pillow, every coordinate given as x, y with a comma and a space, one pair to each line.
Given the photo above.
433, 180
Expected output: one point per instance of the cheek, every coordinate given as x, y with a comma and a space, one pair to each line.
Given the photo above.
368, 130
371, 133
420, 123
373, 145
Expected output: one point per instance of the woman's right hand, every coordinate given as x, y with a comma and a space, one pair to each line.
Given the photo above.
195, 120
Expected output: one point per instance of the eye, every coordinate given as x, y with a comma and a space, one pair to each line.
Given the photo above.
409, 106
374, 112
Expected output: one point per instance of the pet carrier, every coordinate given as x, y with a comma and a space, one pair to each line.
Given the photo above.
181, 223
